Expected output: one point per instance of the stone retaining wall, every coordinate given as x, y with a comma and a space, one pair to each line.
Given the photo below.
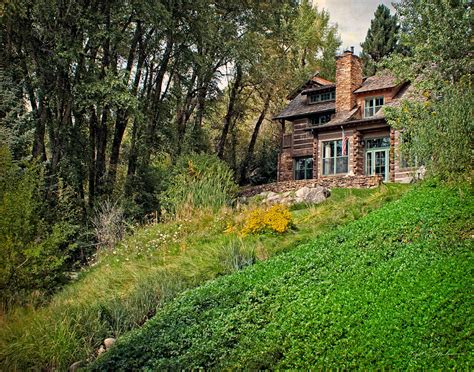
357, 182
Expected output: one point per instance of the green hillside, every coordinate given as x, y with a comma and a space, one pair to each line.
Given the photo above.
126, 285
392, 289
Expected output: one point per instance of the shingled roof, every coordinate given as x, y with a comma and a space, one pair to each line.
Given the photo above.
299, 107
377, 82
319, 89
313, 81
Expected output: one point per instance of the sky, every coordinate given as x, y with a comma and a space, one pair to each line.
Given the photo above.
353, 18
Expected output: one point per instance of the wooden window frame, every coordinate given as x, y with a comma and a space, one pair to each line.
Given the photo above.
334, 158
370, 111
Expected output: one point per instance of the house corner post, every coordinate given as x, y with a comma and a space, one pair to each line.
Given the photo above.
315, 156
392, 156
357, 154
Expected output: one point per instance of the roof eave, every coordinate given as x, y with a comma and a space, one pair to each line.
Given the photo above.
349, 123
301, 115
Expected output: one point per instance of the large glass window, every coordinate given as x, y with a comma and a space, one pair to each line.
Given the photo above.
321, 119
374, 143
372, 106
335, 157
304, 168
321, 97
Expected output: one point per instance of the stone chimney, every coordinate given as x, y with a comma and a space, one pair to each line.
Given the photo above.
348, 79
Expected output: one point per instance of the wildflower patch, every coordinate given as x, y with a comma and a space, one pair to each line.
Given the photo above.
260, 220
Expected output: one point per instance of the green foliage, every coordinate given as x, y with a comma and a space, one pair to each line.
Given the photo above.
438, 133
381, 39
15, 121
438, 35
33, 254
126, 285
391, 290
199, 181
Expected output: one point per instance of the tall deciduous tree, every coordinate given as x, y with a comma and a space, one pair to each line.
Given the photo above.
381, 40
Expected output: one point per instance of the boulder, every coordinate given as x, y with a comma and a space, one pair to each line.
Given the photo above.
310, 195
301, 193
316, 195
108, 342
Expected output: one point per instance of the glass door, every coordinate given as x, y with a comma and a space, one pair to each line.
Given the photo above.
377, 157
377, 163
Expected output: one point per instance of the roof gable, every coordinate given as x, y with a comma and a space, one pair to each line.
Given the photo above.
312, 82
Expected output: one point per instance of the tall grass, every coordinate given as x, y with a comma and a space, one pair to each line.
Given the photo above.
146, 270
199, 181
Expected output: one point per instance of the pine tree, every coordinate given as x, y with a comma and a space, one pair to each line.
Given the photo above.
381, 39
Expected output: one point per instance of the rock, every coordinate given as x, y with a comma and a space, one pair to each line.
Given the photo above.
75, 366
108, 342
316, 195
420, 173
101, 350
301, 193
272, 197
298, 200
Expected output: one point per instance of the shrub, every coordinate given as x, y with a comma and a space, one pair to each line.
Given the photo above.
235, 256
199, 181
33, 253
276, 218
438, 133
109, 224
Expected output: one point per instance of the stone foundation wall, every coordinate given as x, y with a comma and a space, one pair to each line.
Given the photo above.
358, 182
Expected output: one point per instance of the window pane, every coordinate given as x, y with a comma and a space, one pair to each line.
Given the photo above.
328, 150
341, 165
328, 166
303, 168
339, 148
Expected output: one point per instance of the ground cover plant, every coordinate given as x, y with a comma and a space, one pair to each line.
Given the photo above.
127, 284
390, 290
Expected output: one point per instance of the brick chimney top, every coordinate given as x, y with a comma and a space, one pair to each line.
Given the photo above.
348, 79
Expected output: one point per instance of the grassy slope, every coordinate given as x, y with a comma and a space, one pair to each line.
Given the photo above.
393, 289
151, 267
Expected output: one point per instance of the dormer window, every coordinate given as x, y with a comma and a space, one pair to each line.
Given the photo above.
320, 119
321, 97
372, 106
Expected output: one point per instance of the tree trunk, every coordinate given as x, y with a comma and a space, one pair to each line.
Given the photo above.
253, 141
230, 112
92, 146
122, 114
101, 146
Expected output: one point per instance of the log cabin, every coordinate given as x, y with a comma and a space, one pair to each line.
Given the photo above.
336, 133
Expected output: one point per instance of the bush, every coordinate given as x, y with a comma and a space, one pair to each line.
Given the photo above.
235, 256
33, 253
199, 181
109, 224
439, 132
274, 219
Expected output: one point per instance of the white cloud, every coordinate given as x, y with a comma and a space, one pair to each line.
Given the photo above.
352, 17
